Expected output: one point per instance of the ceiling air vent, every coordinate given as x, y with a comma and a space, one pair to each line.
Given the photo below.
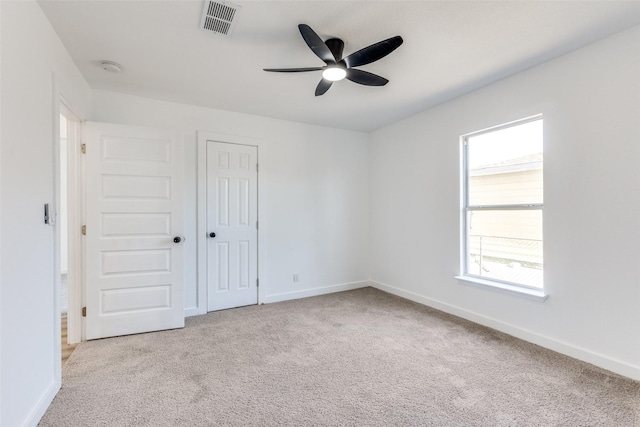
219, 17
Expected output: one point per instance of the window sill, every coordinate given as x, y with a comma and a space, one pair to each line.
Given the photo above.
535, 294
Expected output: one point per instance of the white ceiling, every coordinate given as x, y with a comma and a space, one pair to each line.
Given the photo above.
450, 48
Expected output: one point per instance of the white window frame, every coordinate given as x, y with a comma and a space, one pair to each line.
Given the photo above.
496, 284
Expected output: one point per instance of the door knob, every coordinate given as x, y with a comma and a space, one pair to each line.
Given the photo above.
177, 239
212, 234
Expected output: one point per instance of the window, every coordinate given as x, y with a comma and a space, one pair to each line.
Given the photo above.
502, 206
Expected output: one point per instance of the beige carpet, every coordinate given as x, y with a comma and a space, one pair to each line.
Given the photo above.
361, 358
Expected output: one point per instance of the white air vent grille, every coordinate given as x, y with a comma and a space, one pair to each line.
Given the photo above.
219, 17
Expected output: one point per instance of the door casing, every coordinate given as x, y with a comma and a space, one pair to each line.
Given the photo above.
61, 105
75, 217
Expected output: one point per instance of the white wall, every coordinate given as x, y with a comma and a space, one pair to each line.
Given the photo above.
318, 205
316, 189
590, 100
31, 51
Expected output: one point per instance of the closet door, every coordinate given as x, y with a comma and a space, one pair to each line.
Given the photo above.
232, 221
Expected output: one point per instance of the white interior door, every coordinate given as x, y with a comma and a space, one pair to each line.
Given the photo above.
232, 227
134, 211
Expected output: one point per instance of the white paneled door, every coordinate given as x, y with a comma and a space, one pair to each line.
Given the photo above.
134, 230
232, 215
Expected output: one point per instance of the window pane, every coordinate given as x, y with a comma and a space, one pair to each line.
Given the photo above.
505, 166
506, 245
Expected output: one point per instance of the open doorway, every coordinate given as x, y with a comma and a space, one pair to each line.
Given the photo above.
68, 215
67, 348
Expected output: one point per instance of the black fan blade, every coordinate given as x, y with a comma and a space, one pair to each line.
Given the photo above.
293, 70
374, 52
366, 78
323, 86
316, 44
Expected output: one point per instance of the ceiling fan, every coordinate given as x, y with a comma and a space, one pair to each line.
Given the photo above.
337, 67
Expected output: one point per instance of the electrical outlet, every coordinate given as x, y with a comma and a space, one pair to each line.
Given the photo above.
296, 277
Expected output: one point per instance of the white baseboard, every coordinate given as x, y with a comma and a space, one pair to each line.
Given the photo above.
41, 407
599, 360
305, 293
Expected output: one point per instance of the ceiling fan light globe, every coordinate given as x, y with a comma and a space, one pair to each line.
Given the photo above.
334, 73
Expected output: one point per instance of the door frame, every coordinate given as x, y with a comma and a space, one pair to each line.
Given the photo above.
75, 168
201, 240
75, 218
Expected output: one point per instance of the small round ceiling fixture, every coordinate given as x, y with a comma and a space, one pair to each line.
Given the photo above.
334, 73
111, 67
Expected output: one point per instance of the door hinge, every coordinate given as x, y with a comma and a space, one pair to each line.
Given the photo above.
256, 167
83, 148
257, 283
256, 225
84, 311
84, 230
